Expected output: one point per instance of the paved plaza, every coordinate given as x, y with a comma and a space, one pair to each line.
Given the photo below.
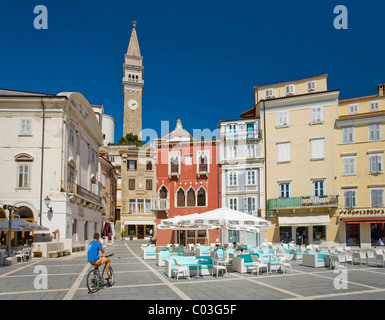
137, 279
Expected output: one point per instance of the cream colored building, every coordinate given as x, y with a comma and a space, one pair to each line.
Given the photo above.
360, 163
299, 148
49, 147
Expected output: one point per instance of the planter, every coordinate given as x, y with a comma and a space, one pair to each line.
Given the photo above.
37, 254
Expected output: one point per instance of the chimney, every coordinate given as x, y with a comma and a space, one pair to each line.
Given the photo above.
381, 90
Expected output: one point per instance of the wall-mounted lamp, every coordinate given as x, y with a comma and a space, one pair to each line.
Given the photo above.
47, 202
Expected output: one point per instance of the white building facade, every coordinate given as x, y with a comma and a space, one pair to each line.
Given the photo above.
49, 147
242, 169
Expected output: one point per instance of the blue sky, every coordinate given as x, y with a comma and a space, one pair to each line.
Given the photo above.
202, 59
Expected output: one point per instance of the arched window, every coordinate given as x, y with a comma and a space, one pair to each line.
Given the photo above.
180, 198
191, 197
163, 192
174, 162
202, 164
2, 214
25, 213
201, 199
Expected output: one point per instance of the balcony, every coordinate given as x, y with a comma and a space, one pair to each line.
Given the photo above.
160, 204
82, 196
301, 202
242, 135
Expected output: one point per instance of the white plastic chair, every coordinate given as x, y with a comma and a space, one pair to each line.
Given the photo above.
219, 265
20, 255
380, 259
348, 257
359, 256
183, 269
335, 261
283, 262
258, 264
370, 256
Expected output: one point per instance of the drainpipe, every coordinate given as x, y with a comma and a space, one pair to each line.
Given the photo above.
264, 147
42, 163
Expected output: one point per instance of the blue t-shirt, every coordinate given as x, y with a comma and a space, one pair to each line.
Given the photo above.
93, 251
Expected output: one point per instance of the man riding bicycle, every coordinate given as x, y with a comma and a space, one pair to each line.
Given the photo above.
93, 254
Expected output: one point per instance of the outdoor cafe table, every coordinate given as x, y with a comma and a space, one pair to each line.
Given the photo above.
197, 260
269, 263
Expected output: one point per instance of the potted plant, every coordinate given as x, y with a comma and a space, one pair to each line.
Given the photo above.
122, 235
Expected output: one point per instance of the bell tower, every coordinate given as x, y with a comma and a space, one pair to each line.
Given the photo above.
133, 86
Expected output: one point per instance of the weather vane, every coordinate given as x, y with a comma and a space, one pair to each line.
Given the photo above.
134, 23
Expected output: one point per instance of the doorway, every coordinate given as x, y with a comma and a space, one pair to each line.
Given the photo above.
140, 232
302, 236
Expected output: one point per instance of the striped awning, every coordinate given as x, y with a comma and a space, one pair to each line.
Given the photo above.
139, 222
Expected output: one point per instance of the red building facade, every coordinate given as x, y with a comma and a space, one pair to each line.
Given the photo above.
188, 181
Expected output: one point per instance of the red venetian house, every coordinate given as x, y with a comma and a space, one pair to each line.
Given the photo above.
188, 181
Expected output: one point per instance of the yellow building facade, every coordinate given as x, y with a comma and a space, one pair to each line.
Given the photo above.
299, 147
361, 146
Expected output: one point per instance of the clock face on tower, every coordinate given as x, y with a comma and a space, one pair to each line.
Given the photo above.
132, 104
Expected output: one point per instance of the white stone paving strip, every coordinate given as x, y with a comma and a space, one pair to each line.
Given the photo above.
18, 269
180, 293
255, 280
71, 292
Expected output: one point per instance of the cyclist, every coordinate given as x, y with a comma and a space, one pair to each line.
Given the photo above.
93, 254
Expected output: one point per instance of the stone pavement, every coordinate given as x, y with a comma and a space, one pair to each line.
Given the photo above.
137, 279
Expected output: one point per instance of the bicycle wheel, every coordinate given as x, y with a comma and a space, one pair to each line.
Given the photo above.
93, 281
111, 277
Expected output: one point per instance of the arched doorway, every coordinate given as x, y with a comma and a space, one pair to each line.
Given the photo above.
3, 234
23, 238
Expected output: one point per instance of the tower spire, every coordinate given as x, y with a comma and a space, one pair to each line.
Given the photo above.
133, 47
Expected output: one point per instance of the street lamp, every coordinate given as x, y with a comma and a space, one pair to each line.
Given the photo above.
47, 202
10, 210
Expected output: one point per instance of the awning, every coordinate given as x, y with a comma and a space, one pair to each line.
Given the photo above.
302, 220
139, 222
364, 220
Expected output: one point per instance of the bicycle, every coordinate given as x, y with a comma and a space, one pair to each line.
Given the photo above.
95, 278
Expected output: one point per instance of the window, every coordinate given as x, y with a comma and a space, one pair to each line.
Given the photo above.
310, 86
232, 128
374, 105
289, 89
203, 164
191, 197
149, 165
353, 108
131, 164
348, 135
284, 190
374, 132
249, 205
180, 198
232, 151
71, 136
376, 163
377, 198
188, 159
317, 149
251, 151
233, 203
349, 165
148, 184
319, 233
174, 163
283, 152
316, 115
23, 174
25, 126
131, 184
118, 194
201, 198
282, 119
250, 130
103, 180
318, 188
71, 175
132, 205
350, 198
269, 93
233, 179
251, 177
